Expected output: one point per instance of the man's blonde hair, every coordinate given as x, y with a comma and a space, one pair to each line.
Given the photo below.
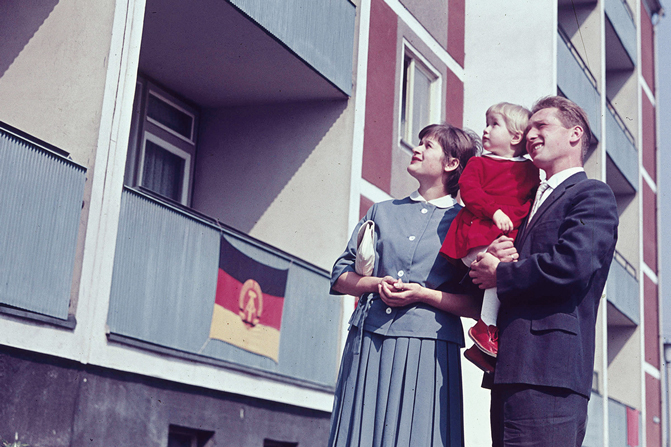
516, 117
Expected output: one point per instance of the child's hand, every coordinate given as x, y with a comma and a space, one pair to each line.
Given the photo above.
502, 221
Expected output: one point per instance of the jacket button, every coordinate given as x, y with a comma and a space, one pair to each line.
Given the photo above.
388, 310
424, 211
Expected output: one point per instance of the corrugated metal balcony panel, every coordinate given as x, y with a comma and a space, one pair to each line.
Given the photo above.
621, 150
164, 285
165, 275
41, 207
321, 32
310, 325
594, 433
623, 24
622, 291
574, 83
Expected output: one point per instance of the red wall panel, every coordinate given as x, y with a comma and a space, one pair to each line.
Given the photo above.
649, 226
454, 105
364, 206
380, 97
653, 406
651, 319
649, 154
456, 25
647, 49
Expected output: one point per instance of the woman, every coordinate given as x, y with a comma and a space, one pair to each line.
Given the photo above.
400, 377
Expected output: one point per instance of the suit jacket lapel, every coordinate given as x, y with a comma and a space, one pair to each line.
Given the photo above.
554, 196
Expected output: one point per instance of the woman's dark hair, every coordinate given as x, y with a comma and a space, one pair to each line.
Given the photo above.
456, 143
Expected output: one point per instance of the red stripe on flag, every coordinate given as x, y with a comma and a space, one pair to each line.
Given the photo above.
228, 297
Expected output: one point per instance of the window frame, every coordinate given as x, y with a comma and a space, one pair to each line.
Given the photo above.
407, 93
145, 128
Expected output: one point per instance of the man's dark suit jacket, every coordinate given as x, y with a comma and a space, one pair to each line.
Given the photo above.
550, 297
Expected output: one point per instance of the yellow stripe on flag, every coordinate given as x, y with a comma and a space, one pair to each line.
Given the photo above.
228, 326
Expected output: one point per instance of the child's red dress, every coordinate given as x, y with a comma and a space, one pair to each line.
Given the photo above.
489, 184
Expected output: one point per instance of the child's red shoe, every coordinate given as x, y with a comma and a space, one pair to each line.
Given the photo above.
479, 359
485, 337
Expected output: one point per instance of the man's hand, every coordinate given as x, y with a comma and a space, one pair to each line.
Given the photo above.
502, 221
483, 270
504, 249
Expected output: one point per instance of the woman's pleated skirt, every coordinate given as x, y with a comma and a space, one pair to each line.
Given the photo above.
398, 392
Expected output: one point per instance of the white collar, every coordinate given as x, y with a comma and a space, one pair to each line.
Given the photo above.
441, 202
525, 157
561, 176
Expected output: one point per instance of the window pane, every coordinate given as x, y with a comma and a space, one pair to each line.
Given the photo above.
169, 116
163, 172
421, 101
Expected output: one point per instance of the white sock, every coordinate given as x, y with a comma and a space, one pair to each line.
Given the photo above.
490, 307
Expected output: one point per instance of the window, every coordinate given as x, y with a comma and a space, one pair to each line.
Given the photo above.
162, 145
419, 96
188, 437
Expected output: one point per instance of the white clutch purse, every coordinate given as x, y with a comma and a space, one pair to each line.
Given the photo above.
365, 249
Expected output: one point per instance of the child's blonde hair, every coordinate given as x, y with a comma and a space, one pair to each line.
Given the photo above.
516, 117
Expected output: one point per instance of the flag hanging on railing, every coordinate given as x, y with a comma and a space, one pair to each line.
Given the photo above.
249, 303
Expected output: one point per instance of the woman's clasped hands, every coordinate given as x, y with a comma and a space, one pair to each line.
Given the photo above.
396, 293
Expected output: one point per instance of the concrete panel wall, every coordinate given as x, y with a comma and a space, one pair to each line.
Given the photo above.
64, 404
279, 173
509, 62
53, 63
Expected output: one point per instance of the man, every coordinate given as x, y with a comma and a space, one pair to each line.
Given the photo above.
550, 295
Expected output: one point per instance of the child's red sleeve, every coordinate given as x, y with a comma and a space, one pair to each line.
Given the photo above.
475, 198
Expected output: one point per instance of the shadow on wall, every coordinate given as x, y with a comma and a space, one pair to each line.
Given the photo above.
19, 21
247, 156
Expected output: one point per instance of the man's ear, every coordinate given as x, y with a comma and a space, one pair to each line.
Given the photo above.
451, 164
517, 138
576, 134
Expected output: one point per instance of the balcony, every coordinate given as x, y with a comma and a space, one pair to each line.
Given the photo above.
321, 32
167, 273
622, 292
620, 34
621, 149
41, 193
577, 82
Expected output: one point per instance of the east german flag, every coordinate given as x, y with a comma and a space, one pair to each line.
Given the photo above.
248, 304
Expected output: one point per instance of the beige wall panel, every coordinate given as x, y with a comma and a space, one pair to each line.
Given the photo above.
53, 64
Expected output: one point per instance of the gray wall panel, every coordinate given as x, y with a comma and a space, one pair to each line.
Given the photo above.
576, 86
621, 150
321, 32
164, 286
41, 197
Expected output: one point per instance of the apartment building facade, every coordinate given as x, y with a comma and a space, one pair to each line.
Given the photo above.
155, 152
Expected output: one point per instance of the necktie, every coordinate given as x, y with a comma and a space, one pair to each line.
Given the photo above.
542, 188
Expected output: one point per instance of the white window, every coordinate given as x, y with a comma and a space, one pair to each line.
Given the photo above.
162, 145
420, 102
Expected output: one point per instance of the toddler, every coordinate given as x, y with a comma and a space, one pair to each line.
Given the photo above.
497, 191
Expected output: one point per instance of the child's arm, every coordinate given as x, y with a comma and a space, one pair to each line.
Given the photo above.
502, 221
475, 198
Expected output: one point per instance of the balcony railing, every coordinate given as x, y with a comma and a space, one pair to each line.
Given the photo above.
321, 32
621, 146
622, 19
166, 273
41, 192
622, 288
576, 81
